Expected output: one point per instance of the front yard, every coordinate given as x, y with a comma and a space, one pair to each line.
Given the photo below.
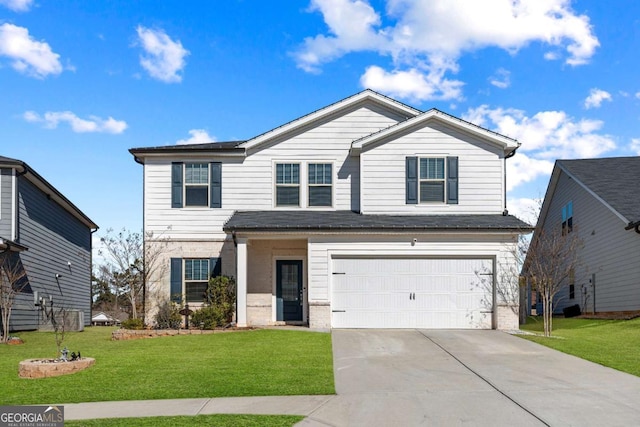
244, 363
613, 343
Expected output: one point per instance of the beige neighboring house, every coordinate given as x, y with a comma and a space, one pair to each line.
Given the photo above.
103, 319
367, 213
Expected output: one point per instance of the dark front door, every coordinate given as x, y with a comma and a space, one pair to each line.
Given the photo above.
289, 290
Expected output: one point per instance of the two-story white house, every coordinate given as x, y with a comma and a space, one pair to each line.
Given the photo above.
367, 213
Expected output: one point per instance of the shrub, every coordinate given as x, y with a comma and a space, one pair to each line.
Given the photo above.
168, 316
133, 324
220, 300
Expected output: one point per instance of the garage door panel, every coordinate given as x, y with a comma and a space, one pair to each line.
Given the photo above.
408, 293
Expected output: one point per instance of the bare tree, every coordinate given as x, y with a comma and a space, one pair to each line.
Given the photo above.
13, 279
552, 259
129, 261
122, 251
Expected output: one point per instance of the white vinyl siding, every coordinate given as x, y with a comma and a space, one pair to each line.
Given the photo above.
249, 182
480, 173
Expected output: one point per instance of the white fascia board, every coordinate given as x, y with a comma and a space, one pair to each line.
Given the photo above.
366, 95
504, 142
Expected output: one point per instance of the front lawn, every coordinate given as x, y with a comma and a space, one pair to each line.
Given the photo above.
612, 343
245, 363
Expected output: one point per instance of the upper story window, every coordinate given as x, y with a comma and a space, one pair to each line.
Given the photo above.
196, 184
287, 184
567, 218
196, 279
431, 180
432, 183
320, 184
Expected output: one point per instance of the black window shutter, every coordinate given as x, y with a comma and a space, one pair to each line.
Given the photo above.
452, 180
176, 280
216, 185
176, 185
412, 180
215, 265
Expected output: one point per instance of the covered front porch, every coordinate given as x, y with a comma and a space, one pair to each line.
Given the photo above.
272, 280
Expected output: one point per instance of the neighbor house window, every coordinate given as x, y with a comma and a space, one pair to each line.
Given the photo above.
287, 184
196, 184
432, 179
320, 184
567, 218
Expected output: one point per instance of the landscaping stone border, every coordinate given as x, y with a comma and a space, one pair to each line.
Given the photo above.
134, 334
44, 368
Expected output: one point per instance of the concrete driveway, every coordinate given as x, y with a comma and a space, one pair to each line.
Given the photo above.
481, 378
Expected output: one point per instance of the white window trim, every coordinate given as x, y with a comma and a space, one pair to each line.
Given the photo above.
444, 180
304, 183
184, 185
184, 279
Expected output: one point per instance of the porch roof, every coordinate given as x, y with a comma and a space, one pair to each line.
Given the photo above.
308, 220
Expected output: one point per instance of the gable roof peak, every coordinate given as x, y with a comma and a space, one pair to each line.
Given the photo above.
362, 96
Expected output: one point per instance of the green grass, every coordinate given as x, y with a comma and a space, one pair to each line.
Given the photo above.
247, 363
612, 343
219, 420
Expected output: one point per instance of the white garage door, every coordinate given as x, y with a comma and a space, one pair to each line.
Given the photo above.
412, 293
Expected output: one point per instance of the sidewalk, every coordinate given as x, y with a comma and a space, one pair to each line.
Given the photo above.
265, 405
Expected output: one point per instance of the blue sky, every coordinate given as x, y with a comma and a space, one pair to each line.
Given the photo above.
81, 82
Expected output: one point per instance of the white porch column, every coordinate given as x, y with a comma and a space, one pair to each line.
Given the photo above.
241, 297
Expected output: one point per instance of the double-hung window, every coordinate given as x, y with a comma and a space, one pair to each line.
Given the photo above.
196, 184
287, 184
432, 179
196, 279
320, 184
567, 218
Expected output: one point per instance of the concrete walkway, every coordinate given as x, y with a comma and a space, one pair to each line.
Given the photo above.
268, 405
419, 377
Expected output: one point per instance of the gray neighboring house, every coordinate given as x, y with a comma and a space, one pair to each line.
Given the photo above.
51, 239
598, 199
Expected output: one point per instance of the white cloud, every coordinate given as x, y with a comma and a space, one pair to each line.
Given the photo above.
17, 5
545, 136
501, 79
411, 84
198, 136
28, 56
51, 119
428, 36
522, 169
525, 209
635, 145
595, 98
163, 58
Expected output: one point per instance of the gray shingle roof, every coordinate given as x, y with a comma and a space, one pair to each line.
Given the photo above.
211, 146
306, 220
615, 180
